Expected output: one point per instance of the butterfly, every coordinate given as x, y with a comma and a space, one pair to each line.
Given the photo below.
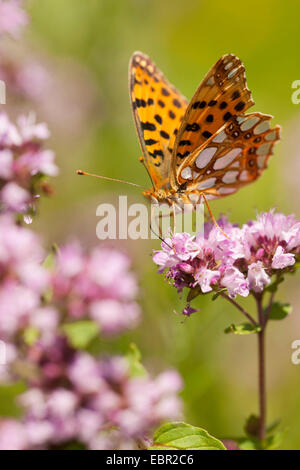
206, 148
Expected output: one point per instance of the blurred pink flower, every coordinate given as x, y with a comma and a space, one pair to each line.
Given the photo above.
62, 403
99, 286
84, 374
23, 278
114, 316
71, 395
46, 321
13, 18
23, 161
38, 432
6, 164
14, 197
98, 396
16, 304
29, 129
13, 435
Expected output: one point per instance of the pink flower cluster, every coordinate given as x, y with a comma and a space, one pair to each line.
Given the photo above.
98, 286
26, 80
23, 279
13, 18
73, 397
23, 163
245, 262
97, 404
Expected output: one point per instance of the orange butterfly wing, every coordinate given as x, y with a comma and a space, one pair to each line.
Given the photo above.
158, 109
222, 94
234, 156
207, 146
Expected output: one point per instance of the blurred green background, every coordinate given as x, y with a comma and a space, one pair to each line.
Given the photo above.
87, 45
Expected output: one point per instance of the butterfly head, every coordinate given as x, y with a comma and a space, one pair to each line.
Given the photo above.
156, 195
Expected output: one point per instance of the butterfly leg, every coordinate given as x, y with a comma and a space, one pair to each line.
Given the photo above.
159, 235
160, 232
212, 216
158, 219
173, 214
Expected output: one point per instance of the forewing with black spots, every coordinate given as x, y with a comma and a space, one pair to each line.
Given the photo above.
158, 110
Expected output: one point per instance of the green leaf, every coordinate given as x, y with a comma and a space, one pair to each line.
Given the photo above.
182, 436
49, 264
49, 261
274, 441
30, 335
134, 359
47, 296
243, 329
252, 426
217, 294
280, 311
253, 443
9, 406
193, 293
273, 425
81, 333
250, 443
274, 285
296, 265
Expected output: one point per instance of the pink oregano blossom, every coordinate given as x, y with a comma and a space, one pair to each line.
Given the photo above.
98, 286
13, 18
243, 263
24, 163
23, 277
72, 396
97, 403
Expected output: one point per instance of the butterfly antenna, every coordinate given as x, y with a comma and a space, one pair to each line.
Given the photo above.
80, 172
213, 218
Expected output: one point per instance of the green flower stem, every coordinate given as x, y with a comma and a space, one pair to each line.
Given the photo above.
239, 307
262, 385
261, 364
262, 319
269, 308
